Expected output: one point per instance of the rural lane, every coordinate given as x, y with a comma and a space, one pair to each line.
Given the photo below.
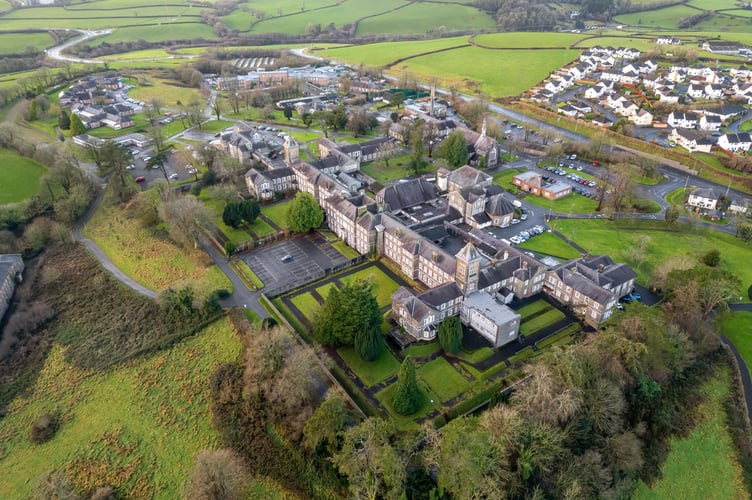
56, 52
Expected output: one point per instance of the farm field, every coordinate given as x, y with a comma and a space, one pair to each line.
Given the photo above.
19, 177
168, 92
381, 54
527, 40
186, 30
344, 13
137, 427
137, 54
287, 7
643, 44
705, 464
421, 18
713, 4
662, 18
473, 68
13, 43
617, 237
154, 262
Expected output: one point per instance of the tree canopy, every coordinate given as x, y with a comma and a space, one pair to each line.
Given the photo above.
238, 212
351, 316
407, 395
304, 213
450, 334
454, 149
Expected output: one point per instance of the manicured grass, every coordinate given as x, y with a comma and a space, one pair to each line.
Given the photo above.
140, 425
167, 91
307, 305
346, 251
397, 169
443, 379
323, 290
532, 308
19, 177
550, 244
745, 126
474, 68
381, 54
383, 285
277, 213
216, 207
370, 372
302, 136
261, 228
214, 126
153, 261
738, 328
419, 18
423, 348
475, 356
573, 204
562, 336
678, 196
249, 277
532, 325
705, 463
616, 238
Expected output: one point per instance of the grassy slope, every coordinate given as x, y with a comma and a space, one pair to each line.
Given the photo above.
550, 244
738, 328
616, 237
153, 262
19, 177
423, 17
159, 404
705, 464
663, 18
526, 40
379, 54
13, 43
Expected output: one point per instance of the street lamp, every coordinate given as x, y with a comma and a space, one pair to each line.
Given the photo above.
430, 148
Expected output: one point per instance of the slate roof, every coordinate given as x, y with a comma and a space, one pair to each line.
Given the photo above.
406, 194
467, 176
441, 294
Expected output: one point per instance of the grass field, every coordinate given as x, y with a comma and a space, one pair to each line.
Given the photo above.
307, 305
216, 208
619, 41
284, 7
214, 126
397, 168
532, 325
277, 213
616, 238
662, 18
154, 262
14, 43
158, 33
370, 372
443, 379
19, 177
713, 4
550, 244
381, 54
345, 250
532, 308
738, 328
169, 92
344, 13
528, 40
383, 285
430, 402
705, 463
137, 427
419, 18
473, 68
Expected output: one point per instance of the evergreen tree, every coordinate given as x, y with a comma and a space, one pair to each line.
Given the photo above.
368, 342
231, 214
249, 211
305, 213
417, 162
450, 334
454, 149
77, 127
64, 122
33, 110
407, 396
350, 316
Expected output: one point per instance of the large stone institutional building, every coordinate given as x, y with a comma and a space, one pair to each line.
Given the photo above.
476, 282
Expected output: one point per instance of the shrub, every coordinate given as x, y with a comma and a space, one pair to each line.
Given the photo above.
749, 292
44, 428
230, 248
217, 474
222, 293
712, 258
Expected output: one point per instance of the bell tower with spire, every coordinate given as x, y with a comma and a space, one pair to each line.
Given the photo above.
468, 268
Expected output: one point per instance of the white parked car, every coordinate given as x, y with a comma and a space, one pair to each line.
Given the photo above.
173, 176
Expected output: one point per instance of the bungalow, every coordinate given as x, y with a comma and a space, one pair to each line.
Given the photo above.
735, 142
703, 198
691, 140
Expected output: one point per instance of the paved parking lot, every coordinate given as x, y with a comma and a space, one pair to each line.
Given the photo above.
311, 255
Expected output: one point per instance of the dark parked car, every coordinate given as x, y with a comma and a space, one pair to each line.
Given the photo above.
141, 179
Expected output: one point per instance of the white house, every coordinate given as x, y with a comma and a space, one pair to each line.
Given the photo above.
696, 91
714, 91
735, 142
691, 140
642, 118
703, 198
678, 119
667, 40
712, 123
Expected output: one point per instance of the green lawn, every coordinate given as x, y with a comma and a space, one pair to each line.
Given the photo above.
550, 244
303, 136
261, 228
277, 213
13, 43
662, 18
423, 348
216, 207
19, 177
140, 425
532, 325
705, 463
616, 238
678, 196
738, 328
397, 169
431, 402
346, 251
323, 290
383, 285
532, 308
572, 204
169, 92
527, 40
475, 356
307, 305
443, 379
381, 54
370, 372
214, 126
